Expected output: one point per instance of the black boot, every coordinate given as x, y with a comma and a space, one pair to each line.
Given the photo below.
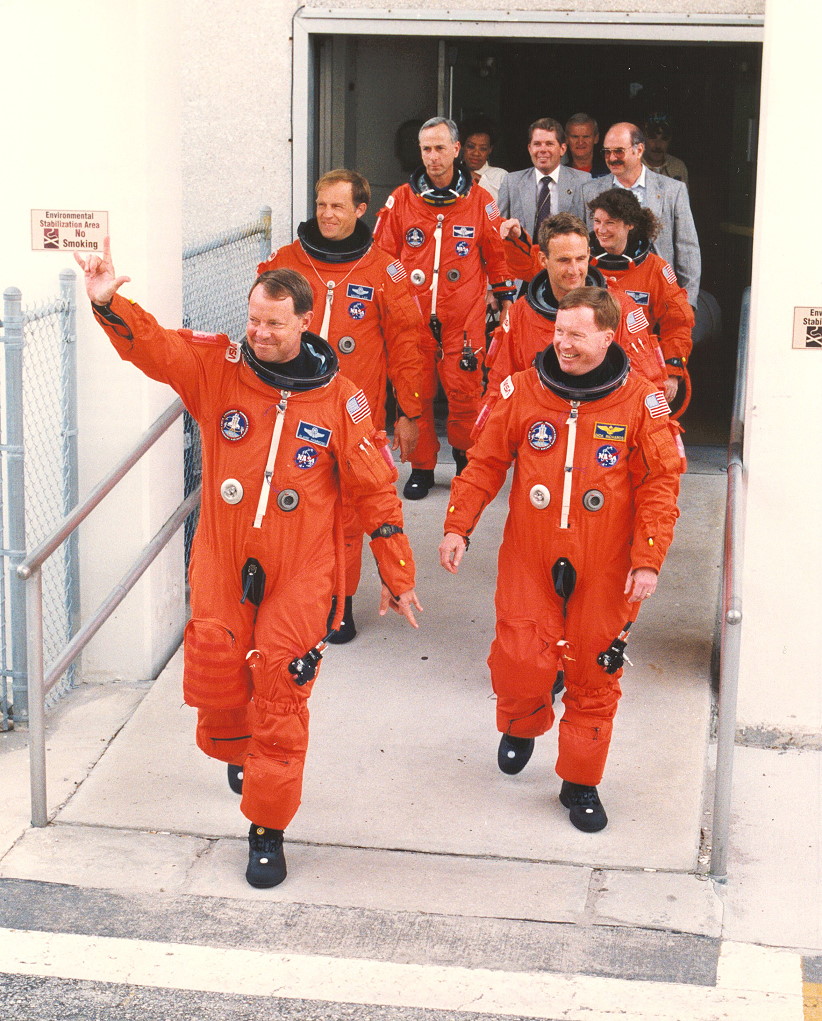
460, 459
514, 753
419, 482
587, 813
235, 778
347, 629
266, 861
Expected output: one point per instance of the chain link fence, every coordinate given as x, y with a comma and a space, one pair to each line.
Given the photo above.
217, 274
39, 474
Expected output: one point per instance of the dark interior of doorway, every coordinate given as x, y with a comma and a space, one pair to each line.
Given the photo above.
711, 95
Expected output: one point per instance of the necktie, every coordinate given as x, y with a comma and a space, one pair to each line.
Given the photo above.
543, 204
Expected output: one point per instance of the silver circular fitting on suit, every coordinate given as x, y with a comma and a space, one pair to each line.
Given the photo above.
417, 277
453, 274
540, 496
231, 491
593, 500
288, 499
346, 345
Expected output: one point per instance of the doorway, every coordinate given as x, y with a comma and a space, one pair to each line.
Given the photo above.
378, 87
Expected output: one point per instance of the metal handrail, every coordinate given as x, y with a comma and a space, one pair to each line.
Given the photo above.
730, 641
30, 570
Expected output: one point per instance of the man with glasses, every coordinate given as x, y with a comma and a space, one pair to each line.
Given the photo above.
665, 197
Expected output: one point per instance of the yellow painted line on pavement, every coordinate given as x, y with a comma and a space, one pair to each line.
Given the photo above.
484, 991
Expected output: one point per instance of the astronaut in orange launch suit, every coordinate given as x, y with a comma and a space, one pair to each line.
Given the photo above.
591, 515
443, 228
282, 431
364, 309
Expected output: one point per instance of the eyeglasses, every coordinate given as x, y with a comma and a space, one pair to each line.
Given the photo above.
619, 153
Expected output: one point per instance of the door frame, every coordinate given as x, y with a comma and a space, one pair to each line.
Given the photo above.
541, 26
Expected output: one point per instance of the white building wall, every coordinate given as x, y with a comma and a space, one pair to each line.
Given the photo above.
781, 665
713, 7
236, 88
94, 93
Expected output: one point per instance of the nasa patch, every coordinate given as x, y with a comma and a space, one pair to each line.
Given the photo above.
414, 237
306, 457
234, 425
542, 435
313, 433
607, 456
360, 291
463, 248
356, 310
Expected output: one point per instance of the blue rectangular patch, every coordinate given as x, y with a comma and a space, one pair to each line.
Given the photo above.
463, 232
640, 297
313, 433
359, 291
614, 433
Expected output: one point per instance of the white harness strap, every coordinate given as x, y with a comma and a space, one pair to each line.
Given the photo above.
569, 465
272, 457
329, 301
435, 277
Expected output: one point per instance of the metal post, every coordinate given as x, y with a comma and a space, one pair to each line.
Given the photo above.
731, 637
37, 699
265, 243
71, 485
14, 342
5, 651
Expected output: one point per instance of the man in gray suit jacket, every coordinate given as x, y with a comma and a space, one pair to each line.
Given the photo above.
666, 198
525, 196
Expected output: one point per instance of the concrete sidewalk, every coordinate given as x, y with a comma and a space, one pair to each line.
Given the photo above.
404, 809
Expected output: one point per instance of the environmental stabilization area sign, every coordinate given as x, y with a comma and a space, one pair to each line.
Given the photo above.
68, 230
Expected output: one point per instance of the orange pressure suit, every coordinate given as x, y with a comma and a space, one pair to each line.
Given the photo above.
530, 327
261, 520
364, 309
596, 478
651, 282
448, 241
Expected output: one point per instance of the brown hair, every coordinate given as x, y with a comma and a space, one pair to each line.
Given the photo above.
557, 225
605, 307
360, 188
287, 283
547, 124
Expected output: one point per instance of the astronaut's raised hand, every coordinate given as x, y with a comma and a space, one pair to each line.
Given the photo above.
101, 281
401, 604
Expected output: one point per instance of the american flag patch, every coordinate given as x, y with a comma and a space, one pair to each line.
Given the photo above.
492, 210
357, 407
669, 275
657, 405
396, 271
636, 321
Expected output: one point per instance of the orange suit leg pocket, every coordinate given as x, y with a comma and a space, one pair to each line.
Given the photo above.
215, 674
523, 662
